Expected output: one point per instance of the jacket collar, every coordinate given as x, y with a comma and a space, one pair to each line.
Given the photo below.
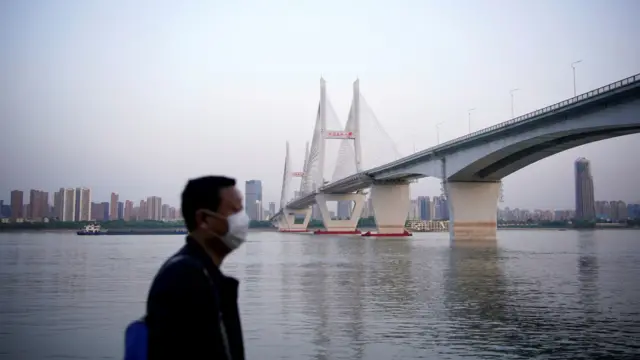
228, 284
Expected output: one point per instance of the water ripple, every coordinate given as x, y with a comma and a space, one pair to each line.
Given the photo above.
543, 295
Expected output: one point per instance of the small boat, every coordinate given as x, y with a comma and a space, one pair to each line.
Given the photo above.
95, 229
92, 229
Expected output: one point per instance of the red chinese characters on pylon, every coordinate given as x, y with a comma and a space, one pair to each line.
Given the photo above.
341, 134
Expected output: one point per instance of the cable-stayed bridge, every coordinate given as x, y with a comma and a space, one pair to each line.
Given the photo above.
471, 167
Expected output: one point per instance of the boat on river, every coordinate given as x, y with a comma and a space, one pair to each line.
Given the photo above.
92, 229
95, 229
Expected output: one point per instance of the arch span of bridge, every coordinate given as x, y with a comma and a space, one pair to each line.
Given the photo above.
472, 166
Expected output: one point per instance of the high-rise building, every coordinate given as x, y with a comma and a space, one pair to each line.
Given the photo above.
344, 209
86, 204
441, 210
113, 207
79, 204
68, 204
414, 210
165, 212
128, 210
58, 204
585, 203
38, 204
272, 208
97, 212
46, 206
154, 208
5, 210
424, 204
252, 194
83, 204
120, 210
17, 205
142, 211
618, 210
633, 211
258, 210
603, 210
105, 211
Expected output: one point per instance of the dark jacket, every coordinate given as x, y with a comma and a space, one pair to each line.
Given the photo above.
183, 311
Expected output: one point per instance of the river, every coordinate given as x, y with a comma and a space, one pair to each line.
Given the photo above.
535, 293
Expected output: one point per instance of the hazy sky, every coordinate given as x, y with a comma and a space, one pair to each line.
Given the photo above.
138, 96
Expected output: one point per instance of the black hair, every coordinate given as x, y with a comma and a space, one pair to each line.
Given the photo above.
202, 193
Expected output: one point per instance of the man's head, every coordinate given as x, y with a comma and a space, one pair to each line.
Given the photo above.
212, 211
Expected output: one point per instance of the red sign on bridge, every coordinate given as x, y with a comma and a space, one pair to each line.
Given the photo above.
340, 135
297, 174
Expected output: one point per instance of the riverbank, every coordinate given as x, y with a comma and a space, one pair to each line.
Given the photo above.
64, 231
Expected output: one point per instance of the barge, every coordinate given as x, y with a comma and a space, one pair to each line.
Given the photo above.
95, 229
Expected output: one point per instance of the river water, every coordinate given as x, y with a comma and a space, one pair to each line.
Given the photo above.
533, 294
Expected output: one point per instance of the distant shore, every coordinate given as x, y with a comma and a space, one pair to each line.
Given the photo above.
27, 230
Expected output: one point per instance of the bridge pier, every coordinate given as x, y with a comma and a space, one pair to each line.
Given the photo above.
390, 206
473, 210
340, 227
287, 223
278, 222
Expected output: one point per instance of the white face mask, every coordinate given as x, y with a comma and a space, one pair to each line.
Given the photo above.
238, 230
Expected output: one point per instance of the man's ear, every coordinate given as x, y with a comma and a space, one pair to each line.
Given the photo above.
200, 216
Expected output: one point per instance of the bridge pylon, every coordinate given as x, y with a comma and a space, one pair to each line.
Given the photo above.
351, 145
285, 219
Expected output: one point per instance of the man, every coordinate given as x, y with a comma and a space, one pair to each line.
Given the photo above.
192, 308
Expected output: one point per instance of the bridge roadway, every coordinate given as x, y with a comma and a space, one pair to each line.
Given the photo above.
618, 93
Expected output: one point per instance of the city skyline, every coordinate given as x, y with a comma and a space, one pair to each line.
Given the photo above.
144, 89
71, 204
77, 204
414, 195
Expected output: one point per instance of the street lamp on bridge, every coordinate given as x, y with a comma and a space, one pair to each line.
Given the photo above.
511, 92
438, 131
573, 67
469, 113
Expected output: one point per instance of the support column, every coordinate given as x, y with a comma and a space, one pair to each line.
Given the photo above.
390, 207
473, 210
289, 220
340, 227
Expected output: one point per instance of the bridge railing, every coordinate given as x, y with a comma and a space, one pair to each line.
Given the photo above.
548, 109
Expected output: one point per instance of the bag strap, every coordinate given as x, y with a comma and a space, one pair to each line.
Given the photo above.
198, 263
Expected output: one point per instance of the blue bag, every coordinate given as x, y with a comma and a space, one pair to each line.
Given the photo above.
136, 335
135, 341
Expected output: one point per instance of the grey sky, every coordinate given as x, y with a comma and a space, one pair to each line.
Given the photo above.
137, 96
